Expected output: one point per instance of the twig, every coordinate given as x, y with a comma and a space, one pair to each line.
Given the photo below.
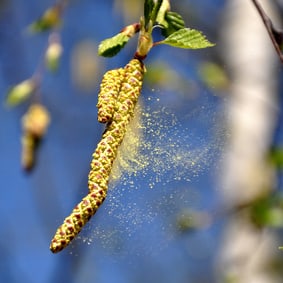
275, 35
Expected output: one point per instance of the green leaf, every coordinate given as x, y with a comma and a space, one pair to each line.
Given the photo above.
151, 10
174, 22
111, 46
156, 9
188, 39
163, 9
20, 92
148, 7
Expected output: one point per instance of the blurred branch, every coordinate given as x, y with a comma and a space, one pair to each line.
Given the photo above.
247, 249
275, 35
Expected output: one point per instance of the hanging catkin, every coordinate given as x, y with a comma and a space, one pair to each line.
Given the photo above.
34, 123
107, 97
103, 157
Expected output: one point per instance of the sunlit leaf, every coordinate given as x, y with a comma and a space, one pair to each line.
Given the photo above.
188, 39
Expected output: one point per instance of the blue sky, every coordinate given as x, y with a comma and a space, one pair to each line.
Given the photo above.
133, 237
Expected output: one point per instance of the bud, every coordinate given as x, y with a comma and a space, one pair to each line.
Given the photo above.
20, 92
49, 20
53, 55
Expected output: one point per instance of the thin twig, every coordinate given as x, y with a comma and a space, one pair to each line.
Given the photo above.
270, 28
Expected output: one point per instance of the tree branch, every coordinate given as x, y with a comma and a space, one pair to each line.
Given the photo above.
275, 35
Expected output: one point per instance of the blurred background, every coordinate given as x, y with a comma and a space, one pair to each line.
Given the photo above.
195, 194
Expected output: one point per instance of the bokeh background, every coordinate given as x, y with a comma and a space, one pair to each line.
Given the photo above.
173, 194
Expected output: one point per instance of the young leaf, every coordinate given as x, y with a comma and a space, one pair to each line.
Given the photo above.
156, 9
111, 46
163, 9
152, 9
174, 22
175, 19
188, 39
148, 7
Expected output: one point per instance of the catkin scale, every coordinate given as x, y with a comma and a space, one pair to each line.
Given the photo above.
103, 157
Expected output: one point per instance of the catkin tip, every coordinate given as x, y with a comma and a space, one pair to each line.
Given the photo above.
55, 247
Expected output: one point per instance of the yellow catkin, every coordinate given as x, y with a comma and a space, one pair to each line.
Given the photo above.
107, 97
103, 157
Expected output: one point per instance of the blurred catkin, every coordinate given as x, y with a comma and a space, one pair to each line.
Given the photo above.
34, 124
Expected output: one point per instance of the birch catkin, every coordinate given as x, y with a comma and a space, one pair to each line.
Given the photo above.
34, 123
103, 157
107, 97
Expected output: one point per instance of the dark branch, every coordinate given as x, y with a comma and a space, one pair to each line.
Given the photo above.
275, 35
